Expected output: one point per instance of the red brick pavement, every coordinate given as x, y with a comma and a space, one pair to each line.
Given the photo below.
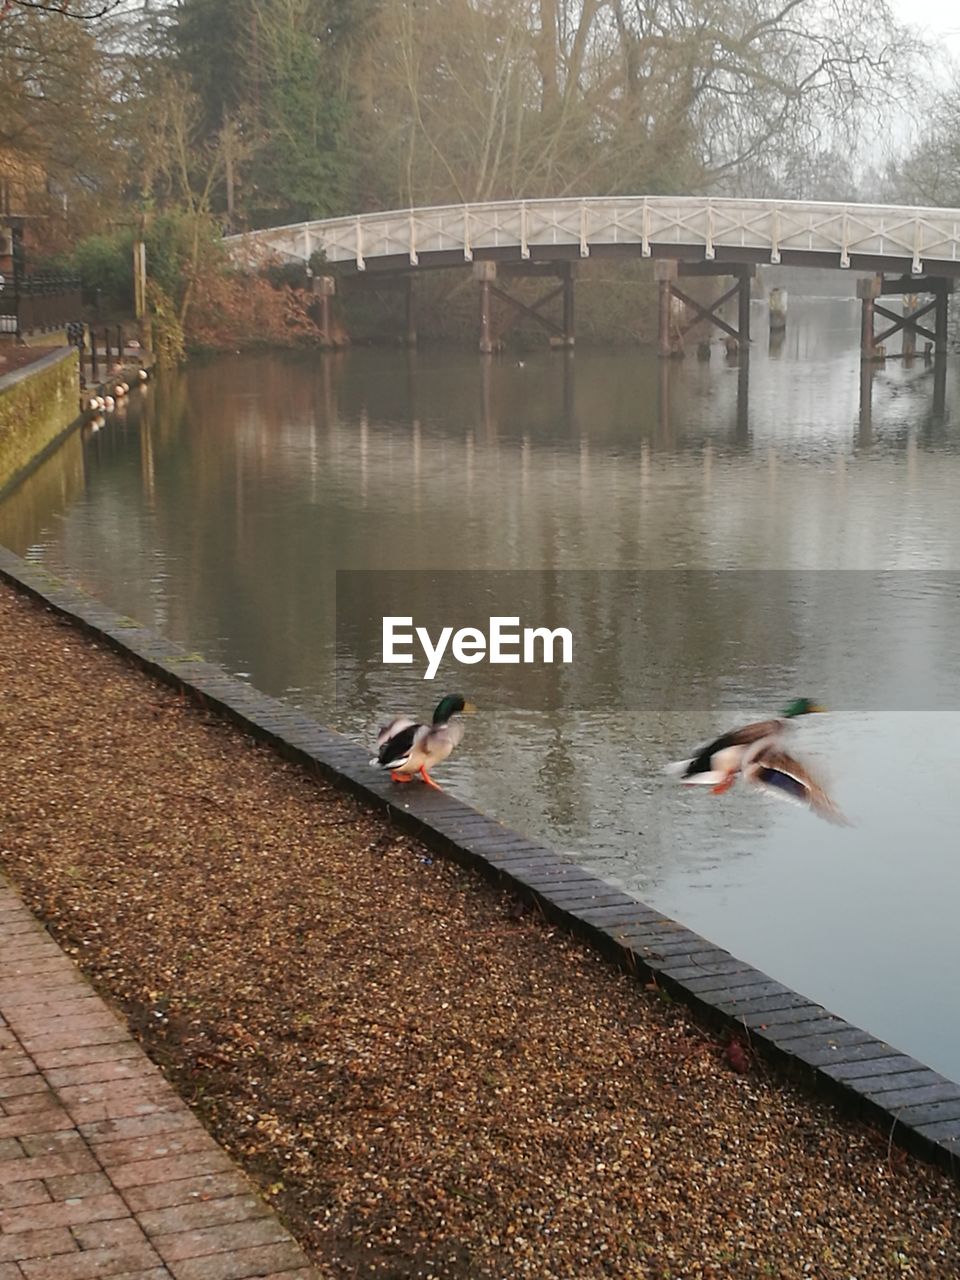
104, 1171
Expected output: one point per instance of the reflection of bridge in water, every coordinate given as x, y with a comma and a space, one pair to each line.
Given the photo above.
663, 406
739, 433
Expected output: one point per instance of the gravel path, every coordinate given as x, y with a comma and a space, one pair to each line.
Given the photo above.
424, 1080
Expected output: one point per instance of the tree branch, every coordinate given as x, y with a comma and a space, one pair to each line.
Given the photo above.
62, 7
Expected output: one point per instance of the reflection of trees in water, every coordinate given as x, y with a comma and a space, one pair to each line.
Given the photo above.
643, 642
262, 474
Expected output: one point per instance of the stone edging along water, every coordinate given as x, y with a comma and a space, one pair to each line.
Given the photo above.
39, 405
918, 1108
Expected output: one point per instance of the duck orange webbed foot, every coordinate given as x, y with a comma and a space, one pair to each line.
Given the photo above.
723, 786
400, 777
429, 781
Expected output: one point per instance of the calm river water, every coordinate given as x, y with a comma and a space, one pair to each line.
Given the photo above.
220, 504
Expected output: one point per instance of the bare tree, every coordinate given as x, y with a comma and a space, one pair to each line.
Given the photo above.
483, 98
77, 9
60, 90
929, 174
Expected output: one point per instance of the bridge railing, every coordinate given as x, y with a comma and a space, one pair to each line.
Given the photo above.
766, 230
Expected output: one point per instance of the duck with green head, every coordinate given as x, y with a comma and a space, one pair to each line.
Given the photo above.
407, 747
756, 750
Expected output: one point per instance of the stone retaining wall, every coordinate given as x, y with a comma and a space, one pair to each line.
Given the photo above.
38, 403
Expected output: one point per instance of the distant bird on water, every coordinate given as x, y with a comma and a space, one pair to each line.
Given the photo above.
408, 748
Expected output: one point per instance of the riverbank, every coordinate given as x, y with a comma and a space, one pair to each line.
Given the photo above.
424, 1079
39, 403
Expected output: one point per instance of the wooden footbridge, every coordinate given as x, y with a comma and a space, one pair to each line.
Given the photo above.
906, 251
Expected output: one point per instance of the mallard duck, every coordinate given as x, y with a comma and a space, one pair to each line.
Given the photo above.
718, 763
408, 748
757, 751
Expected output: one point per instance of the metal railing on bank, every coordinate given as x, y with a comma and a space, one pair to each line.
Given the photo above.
38, 303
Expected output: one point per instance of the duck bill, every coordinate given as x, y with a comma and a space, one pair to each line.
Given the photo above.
469, 709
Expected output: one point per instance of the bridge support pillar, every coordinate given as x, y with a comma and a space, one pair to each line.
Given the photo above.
672, 329
494, 324
669, 339
910, 306
744, 276
907, 322
324, 288
868, 290
777, 305
940, 341
569, 326
939, 390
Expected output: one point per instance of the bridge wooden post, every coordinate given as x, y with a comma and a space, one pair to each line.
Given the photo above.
324, 288
909, 347
940, 342
908, 321
665, 271
939, 389
868, 290
744, 277
494, 326
568, 277
484, 273
674, 327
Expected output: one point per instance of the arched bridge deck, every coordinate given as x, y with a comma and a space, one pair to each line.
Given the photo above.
694, 234
796, 233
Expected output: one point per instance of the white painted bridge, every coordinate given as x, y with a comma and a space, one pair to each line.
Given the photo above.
797, 233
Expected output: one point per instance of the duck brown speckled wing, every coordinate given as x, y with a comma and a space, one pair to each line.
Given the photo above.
781, 774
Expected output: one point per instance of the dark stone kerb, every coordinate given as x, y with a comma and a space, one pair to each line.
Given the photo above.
917, 1107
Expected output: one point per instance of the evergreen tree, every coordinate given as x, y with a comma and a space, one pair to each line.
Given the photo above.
214, 43
300, 171
271, 78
